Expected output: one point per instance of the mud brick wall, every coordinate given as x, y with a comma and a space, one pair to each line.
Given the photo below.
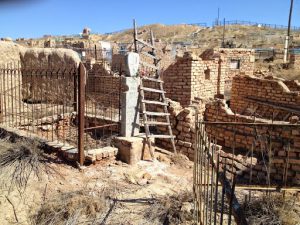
246, 59
248, 93
118, 63
191, 77
285, 142
295, 61
53, 87
183, 128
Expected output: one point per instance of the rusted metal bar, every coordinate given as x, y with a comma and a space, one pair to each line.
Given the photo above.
81, 106
231, 200
223, 193
250, 124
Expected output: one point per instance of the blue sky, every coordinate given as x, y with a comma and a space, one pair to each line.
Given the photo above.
58, 17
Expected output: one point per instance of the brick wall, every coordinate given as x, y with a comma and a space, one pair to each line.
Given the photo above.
295, 60
183, 128
242, 137
191, 77
249, 94
245, 57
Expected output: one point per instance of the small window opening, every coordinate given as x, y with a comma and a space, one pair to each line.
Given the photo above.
235, 64
207, 74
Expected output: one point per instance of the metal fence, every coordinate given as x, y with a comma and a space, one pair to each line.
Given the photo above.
66, 105
214, 194
235, 155
249, 23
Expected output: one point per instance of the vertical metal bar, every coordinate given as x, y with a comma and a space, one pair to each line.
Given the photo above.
212, 180
96, 52
4, 93
223, 193
1, 94
231, 200
81, 104
75, 93
135, 36
207, 178
201, 171
216, 191
195, 175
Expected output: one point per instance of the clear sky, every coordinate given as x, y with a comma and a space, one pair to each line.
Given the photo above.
34, 18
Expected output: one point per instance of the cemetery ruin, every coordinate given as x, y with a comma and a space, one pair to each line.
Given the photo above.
238, 127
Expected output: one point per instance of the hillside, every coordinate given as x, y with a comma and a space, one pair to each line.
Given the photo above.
203, 37
242, 36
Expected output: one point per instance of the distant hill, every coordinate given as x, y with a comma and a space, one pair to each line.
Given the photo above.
241, 35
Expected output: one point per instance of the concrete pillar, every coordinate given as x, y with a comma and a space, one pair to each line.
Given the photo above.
130, 98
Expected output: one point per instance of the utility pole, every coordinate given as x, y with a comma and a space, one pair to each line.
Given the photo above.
287, 39
223, 38
218, 16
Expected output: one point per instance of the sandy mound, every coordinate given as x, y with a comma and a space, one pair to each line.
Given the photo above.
10, 52
55, 57
13, 53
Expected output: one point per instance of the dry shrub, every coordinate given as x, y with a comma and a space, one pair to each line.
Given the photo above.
80, 207
273, 210
176, 209
21, 159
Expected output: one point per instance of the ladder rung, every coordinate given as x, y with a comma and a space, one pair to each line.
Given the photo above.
160, 136
152, 79
156, 113
145, 43
152, 90
154, 102
149, 65
152, 123
149, 55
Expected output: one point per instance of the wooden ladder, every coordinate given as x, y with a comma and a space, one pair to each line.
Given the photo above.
160, 91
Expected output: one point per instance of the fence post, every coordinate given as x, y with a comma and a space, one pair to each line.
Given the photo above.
80, 112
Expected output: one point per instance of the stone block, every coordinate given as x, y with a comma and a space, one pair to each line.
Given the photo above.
132, 149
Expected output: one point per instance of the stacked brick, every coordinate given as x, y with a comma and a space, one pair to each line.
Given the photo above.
295, 61
283, 160
246, 58
250, 93
183, 128
191, 77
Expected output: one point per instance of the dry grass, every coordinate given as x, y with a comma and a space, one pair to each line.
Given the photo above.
176, 209
21, 159
273, 210
80, 207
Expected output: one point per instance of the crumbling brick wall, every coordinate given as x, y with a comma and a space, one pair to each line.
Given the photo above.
251, 94
191, 77
285, 141
183, 127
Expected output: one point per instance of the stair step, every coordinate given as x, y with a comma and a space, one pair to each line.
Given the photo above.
156, 113
152, 79
154, 102
149, 65
152, 90
153, 123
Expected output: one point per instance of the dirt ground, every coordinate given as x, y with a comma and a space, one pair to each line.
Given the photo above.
114, 192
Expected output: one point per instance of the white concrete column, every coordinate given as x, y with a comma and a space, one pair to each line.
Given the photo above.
130, 98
